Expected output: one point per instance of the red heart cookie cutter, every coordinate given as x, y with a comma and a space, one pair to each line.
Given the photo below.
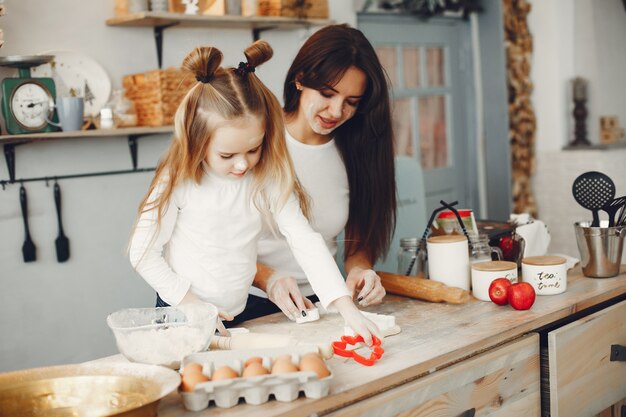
339, 347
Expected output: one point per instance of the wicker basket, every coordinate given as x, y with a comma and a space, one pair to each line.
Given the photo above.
303, 9
157, 94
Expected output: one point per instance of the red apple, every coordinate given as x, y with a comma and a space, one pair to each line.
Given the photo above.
521, 296
498, 291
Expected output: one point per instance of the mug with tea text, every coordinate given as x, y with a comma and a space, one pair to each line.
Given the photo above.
547, 274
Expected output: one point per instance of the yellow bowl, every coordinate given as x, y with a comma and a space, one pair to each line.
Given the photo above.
91, 389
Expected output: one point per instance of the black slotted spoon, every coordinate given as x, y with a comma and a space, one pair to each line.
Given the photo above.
593, 190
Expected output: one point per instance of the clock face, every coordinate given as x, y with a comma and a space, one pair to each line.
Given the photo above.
30, 105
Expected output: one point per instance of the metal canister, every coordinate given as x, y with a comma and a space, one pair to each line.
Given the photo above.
600, 249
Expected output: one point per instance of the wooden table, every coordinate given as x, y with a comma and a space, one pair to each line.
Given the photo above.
434, 336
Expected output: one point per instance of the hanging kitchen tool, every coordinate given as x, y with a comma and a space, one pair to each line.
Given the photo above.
593, 190
62, 243
612, 207
29, 251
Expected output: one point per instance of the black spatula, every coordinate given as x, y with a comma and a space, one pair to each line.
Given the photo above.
593, 190
29, 251
62, 243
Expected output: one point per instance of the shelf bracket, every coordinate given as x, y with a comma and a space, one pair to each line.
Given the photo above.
132, 146
158, 39
9, 156
256, 32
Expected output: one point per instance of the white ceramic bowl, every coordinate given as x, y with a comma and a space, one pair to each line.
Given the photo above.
163, 335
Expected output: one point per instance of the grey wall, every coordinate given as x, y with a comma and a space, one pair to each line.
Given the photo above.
53, 313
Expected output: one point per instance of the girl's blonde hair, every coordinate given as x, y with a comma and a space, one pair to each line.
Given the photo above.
225, 94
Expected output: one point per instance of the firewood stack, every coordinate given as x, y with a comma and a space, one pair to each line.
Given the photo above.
522, 122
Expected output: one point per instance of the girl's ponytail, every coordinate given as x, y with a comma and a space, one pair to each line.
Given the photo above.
203, 62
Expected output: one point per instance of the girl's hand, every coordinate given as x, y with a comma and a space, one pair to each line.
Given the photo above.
368, 285
357, 321
284, 292
191, 298
222, 315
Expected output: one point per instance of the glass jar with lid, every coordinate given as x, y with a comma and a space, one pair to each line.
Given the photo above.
479, 248
411, 261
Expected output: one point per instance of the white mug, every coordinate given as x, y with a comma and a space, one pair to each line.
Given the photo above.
448, 260
71, 113
547, 274
483, 274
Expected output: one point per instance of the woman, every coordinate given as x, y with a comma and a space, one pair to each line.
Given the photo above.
339, 136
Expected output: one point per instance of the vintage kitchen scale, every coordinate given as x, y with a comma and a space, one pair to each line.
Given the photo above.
28, 102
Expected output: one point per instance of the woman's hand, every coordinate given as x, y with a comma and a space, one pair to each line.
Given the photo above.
356, 320
284, 292
367, 284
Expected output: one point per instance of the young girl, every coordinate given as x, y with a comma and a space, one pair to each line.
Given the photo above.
227, 171
339, 135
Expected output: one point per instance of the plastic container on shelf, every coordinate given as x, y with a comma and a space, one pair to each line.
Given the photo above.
447, 223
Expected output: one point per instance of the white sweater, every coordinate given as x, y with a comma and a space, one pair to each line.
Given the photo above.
322, 173
207, 241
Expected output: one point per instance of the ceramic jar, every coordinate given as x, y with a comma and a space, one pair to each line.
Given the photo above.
547, 274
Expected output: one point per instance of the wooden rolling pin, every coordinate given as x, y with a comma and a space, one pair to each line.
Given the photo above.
263, 341
423, 289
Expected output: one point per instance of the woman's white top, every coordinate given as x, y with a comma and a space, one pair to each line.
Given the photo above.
207, 241
322, 173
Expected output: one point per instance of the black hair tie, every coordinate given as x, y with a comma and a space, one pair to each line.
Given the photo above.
203, 79
244, 68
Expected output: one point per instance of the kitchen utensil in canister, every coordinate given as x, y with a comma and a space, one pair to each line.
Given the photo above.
547, 274
29, 251
448, 260
483, 273
600, 249
621, 216
612, 207
593, 190
62, 243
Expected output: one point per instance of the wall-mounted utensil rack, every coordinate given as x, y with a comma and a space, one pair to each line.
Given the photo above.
161, 21
9, 143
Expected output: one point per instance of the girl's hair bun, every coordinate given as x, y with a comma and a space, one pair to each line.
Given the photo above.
203, 62
258, 53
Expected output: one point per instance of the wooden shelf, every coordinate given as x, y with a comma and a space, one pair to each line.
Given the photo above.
155, 19
126, 131
596, 147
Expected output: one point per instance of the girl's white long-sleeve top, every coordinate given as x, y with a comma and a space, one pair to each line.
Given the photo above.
322, 173
207, 242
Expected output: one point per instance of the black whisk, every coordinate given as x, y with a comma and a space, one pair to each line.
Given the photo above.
422, 242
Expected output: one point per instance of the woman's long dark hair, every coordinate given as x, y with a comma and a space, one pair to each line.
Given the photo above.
365, 141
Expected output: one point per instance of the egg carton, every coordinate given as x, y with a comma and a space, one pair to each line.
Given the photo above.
254, 390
